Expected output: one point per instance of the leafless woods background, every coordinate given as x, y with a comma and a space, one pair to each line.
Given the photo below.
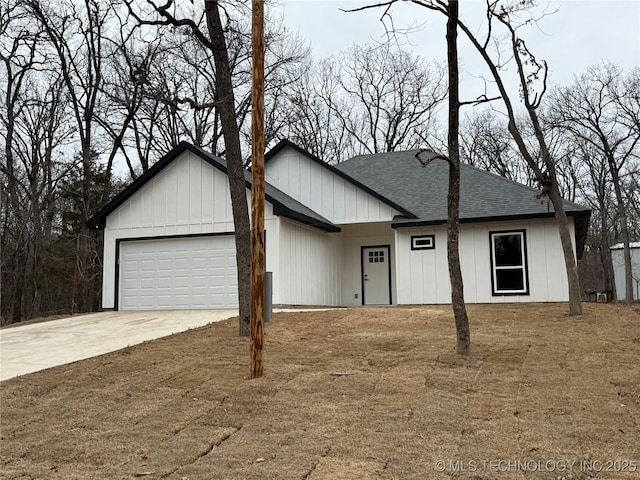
93, 93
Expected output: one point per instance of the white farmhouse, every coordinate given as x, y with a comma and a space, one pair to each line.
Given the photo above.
369, 231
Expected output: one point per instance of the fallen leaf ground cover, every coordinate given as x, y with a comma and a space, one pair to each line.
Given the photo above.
364, 393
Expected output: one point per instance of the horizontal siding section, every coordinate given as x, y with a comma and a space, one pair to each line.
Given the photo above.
423, 275
323, 191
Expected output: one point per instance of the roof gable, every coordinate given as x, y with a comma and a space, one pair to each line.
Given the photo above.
284, 143
282, 203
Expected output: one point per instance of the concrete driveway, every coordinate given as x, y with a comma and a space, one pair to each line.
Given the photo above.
34, 347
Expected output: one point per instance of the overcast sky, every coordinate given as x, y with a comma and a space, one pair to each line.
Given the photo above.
580, 34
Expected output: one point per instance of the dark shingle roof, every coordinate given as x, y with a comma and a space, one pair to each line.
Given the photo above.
423, 191
282, 203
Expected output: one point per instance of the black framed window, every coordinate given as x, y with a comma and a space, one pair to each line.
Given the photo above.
509, 274
423, 242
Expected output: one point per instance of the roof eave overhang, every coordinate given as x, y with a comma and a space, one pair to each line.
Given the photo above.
581, 223
400, 222
281, 210
99, 220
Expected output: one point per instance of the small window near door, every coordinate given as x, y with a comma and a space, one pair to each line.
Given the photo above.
423, 242
376, 256
509, 274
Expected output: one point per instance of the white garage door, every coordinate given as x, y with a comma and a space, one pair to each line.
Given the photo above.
191, 272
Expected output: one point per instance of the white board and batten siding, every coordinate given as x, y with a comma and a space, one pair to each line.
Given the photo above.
425, 276
319, 268
354, 238
189, 198
309, 265
325, 192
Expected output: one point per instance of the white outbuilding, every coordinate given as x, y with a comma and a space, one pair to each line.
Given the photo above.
617, 258
368, 231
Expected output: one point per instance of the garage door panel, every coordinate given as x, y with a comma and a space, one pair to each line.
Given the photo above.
164, 264
191, 272
181, 300
181, 264
163, 300
130, 266
181, 282
147, 284
200, 282
148, 265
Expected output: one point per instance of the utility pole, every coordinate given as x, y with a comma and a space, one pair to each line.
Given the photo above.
257, 188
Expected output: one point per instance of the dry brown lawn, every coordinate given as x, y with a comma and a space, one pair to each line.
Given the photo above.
543, 395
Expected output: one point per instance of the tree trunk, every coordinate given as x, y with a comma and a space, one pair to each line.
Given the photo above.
16, 310
453, 196
575, 295
605, 254
571, 265
235, 168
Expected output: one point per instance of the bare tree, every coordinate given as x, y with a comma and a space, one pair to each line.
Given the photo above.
125, 87
371, 98
486, 143
489, 145
628, 101
161, 90
75, 37
391, 97
531, 75
37, 128
453, 196
285, 54
225, 95
215, 41
309, 115
14, 76
632, 190
19, 57
596, 189
595, 110
425, 156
